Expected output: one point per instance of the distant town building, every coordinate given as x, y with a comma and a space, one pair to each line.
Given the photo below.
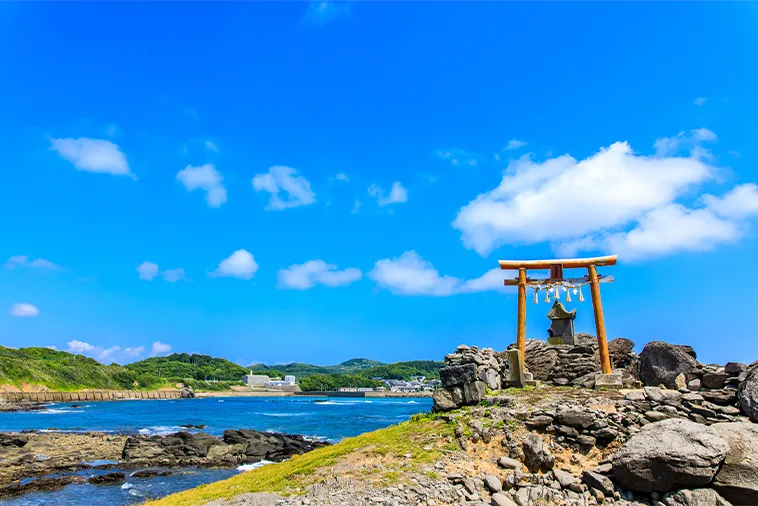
290, 379
257, 380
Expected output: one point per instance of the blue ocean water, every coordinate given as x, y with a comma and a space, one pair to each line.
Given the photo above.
331, 419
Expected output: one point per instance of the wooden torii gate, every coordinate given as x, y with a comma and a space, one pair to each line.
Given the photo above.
556, 274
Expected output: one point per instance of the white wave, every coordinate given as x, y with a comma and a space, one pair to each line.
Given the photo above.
250, 467
411, 402
55, 411
160, 430
126, 486
221, 400
281, 414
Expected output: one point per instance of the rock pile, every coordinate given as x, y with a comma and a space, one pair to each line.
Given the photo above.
468, 373
235, 447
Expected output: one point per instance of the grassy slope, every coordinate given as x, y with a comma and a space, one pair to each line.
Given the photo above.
181, 366
59, 370
363, 366
413, 437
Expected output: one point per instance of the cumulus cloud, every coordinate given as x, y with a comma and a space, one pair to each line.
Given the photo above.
147, 270
316, 272
398, 194
207, 178
614, 201
108, 355
700, 101
160, 348
24, 261
239, 264
410, 274
287, 189
22, 309
93, 155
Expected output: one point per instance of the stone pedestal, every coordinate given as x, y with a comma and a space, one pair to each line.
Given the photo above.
516, 372
611, 381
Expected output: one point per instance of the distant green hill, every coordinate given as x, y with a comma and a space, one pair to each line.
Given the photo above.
181, 366
59, 370
356, 366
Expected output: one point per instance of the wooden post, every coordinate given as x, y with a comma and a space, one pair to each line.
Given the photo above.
597, 306
521, 330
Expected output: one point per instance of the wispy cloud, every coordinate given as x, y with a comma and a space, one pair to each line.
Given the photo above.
515, 144
458, 157
22, 309
316, 272
322, 13
148, 271
93, 155
700, 101
38, 263
398, 194
287, 189
108, 355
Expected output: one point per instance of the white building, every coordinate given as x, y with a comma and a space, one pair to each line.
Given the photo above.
290, 379
257, 380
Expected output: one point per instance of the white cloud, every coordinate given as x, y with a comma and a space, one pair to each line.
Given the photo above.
283, 181
562, 199
173, 275
93, 155
160, 348
52, 347
207, 178
410, 274
239, 264
458, 157
147, 270
356, 207
700, 101
342, 177
515, 144
23, 309
39, 263
105, 355
686, 141
316, 272
740, 202
398, 194
209, 145
321, 13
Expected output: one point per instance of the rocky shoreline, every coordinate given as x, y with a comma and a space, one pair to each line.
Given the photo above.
51, 458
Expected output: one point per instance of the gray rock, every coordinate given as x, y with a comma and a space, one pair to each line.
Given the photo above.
748, 394
540, 358
565, 430
661, 363
473, 393
599, 482
508, 463
696, 497
564, 478
493, 483
575, 417
655, 394
655, 416
714, 380
694, 385
443, 400
492, 379
538, 422
724, 397
501, 499
458, 375
735, 368
667, 455
585, 440
536, 458
737, 480
635, 395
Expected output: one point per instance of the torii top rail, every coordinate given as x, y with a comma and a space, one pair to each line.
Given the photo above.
556, 273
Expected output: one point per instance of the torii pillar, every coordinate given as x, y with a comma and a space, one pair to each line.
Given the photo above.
556, 274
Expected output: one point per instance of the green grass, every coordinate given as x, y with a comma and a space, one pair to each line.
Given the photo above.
416, 438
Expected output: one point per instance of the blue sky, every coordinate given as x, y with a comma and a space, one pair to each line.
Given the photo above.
276, 182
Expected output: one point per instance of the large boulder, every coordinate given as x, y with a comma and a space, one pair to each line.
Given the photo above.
540, 358
748, 394
443, 400
661, 363
669, 454
697, 497
737, 480
458, 375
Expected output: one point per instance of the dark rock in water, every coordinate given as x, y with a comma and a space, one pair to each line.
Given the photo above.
107, 479
748, 394
186, 393
191, 426
696, 497
737, 480
236, 446
668, 455
661, 363
458, 375
17, 440
150, 473
38, 485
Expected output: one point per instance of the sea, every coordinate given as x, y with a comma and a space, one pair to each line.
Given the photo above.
329, 419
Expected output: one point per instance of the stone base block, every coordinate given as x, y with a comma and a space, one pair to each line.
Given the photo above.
611, 381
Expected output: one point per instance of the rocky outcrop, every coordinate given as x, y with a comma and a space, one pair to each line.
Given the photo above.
669, 454
748, 394
186, 393
737, 480
468, 374
236, 446
107, 479
696, 497
17, 440
661, 363
541, 358
47, 484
